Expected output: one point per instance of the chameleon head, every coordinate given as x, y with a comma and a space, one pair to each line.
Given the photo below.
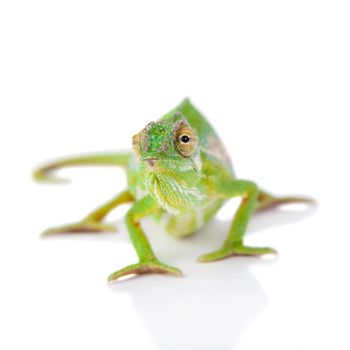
168, 153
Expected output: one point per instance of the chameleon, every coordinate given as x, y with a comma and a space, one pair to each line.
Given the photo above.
179, 173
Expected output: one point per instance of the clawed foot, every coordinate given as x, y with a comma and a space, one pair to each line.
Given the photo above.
236, 250
143, 268
80, 227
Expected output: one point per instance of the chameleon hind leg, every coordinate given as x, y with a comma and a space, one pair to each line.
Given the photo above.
148, 262
266, 201
233, 245
93, 221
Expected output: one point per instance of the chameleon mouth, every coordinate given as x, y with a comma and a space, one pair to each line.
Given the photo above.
150, 158
150, 161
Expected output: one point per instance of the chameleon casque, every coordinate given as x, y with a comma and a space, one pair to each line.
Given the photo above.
180, 172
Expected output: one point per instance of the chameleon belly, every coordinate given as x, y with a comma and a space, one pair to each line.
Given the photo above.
186, 224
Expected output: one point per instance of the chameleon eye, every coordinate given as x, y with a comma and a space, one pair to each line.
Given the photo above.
186, 141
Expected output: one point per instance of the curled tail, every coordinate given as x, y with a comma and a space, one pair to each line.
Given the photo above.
44, 173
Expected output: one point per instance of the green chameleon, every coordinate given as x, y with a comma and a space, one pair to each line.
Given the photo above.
179, 173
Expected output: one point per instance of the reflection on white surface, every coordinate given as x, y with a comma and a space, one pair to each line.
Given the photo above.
200, 311
213, 304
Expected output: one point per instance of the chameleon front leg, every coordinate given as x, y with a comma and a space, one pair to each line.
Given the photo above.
93, 221
233, 245
148, 262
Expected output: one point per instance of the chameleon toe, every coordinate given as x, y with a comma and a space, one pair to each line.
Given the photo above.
238, 250
144, 268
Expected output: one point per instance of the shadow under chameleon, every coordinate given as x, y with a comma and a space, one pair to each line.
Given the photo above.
214, 303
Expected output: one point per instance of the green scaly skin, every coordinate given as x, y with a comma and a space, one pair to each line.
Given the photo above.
180, 174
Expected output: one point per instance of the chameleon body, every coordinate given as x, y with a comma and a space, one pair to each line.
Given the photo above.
179, 173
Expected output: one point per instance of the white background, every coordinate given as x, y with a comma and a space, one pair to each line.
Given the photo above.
82, 76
